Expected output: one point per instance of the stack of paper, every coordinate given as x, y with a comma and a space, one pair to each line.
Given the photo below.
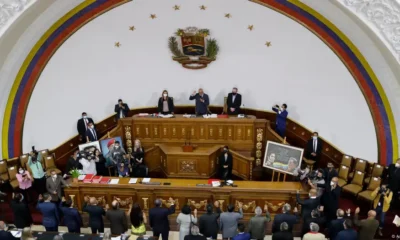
166, 115
187, 115
216, 183
143, 114
114, 181
81, 177
146, 180
133, 180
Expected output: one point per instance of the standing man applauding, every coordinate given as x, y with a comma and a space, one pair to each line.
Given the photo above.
280, 119
121, 109
233, 102
202, 102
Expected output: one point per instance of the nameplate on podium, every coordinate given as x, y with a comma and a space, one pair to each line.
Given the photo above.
151, 183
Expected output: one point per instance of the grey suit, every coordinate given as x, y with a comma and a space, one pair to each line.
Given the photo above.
55, 186
257, 226
228, 223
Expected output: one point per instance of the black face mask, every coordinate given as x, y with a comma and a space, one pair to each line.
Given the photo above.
234, 93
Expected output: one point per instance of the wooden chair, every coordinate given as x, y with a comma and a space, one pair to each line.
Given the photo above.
377, 171
361, 165
225, 109
23, 159
356, 184
373, 184
12, 173
343, 175
4, 170
346, 161
50, 164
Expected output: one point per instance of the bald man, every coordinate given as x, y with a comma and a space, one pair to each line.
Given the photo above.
367, 227
336, 225
4, 235
308, 205
96, 214
202, 101
117, 218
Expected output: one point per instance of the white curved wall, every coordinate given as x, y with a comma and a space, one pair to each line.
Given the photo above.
301, 71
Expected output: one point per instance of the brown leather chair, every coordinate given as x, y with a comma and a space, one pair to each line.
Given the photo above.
343, 175
374, 183
23, 159
4, 170
50, 164
377, 171
225, 109
347, 161
356, 184
12, 173
361, 165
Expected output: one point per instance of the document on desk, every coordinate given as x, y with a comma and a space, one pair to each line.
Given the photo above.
114, 181
132, 180
146, 180
166, 115
396, 220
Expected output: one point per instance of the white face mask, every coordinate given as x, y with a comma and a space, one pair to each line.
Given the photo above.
54, 176
397, 164
21, 171
314, 137
332, 184
165, 94
91, 127
116, 147
84, 116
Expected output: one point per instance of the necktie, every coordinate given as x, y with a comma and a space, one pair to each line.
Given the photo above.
85, 120
94, 134
315, 145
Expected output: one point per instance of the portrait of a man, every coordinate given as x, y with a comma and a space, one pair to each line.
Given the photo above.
282, 157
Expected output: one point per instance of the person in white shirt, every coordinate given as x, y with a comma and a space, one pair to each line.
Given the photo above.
88, 165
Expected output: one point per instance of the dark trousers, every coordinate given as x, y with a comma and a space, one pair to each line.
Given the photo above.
95, 230
27, 194
74, 230
40, 185
280, 131
164, 234
52, 229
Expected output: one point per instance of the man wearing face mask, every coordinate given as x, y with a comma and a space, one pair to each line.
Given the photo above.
314, 148
121, 109
83, 125
330, 198
38, 174
91, 134
54, 185
281, 115
233, 102
165, 104
202, 102
394, 182
225, 164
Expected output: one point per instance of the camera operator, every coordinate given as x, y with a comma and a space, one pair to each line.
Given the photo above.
88, 162
383, 196
38, 173
316, 180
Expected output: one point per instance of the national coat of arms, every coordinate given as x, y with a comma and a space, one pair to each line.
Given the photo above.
193, 48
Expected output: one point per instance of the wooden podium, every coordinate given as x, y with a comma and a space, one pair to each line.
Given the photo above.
200, 163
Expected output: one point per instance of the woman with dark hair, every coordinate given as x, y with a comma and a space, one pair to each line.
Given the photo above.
100, 163
138, 220
185, 219
165, 104
22, 215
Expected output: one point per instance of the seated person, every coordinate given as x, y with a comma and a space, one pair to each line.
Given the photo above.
165, 104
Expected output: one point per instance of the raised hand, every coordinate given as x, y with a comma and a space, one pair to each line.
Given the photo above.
321, 208
348, 211
195, 212
86, 198
295, 210
216, 204
240, 204
357, 210
171, 200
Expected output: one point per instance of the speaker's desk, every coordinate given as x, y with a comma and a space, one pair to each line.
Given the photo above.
186, 191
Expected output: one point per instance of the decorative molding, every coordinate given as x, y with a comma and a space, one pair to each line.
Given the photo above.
10, 10
188, 166
382, 16
198, 205
128, 137
260, 133
251, 205
274, 207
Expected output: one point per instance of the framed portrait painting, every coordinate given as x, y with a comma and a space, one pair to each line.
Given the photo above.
283, 158
90, 147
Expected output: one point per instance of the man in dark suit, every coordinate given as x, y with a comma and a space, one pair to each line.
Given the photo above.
72, 218
117, 218
22, 214
281, 117
83, 125
96, 214
73, 162
314, 148
202, 101
284, 233
309, 204
49, 212
121, 110
394, 182
54, 185
336, 225
316, 217
286, 217
233, 102
158, 217
348, 233
208, 222
330, 197
91, 134
330, 172
225, 164
367, 227
5, 235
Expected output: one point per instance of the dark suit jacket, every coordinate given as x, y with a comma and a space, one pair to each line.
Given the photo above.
4, 235
310, 149
125, 111
22, 214
201, 107
285, 235
208, 224
329, 174
367, 228
307, 205
221, 162
394, 178
96, 214
90, 135
348, 234
159, 218
194, 237
290, 219
235, 104
72, 164
280, 119
243, 236
170, 105
82, 127
330, 199
335, 227
72, 218
118, 222
49, 212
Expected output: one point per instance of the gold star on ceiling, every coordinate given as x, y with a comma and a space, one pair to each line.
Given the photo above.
176, 7
132, 28
153, 16
202, 7
268, 44
228, 15
117, 44
250, 27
